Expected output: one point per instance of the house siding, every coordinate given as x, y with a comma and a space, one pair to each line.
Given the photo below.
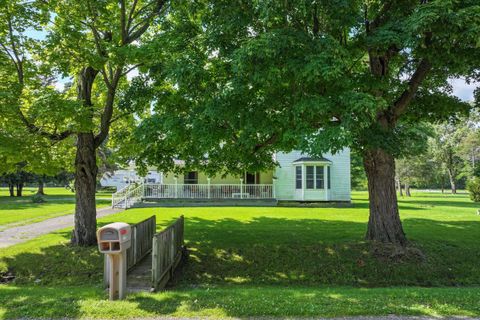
339, 171
265, 178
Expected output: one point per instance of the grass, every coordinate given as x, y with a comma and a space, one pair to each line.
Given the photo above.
20, 211
268, 262
243, 301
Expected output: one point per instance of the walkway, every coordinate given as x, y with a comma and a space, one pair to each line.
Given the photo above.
11, 236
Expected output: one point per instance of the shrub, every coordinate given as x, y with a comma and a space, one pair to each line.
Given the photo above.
38, 198
473, 187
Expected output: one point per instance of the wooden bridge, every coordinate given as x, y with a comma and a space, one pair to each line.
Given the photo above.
152, 257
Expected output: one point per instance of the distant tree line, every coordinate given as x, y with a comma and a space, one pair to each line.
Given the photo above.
446, 159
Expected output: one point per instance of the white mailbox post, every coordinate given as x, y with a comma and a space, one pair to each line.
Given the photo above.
113, 240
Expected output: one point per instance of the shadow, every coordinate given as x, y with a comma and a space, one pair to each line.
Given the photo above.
264, 301
25, 202
235, 264
43, 302
324, 252
58, 264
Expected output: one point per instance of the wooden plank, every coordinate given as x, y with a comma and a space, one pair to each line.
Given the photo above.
167, 253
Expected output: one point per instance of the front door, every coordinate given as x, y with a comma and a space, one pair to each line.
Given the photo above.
250, 178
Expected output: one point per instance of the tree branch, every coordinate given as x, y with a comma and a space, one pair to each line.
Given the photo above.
139, 29
108, 109
273, 138
401, 104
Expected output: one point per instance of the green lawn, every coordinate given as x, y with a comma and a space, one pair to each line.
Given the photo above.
16, 211
269, 262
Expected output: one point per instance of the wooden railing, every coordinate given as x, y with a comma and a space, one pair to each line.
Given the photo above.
141, 245
142, 235
167, 253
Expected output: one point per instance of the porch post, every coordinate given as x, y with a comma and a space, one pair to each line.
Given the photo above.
241, 188
176, 187
208, 181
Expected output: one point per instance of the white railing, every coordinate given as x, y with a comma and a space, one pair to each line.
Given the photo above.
209, 191
119, 197
128, 196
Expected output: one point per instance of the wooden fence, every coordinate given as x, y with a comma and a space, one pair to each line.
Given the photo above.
167, 253
141, 245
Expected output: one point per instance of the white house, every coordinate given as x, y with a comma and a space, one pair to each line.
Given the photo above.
298, 177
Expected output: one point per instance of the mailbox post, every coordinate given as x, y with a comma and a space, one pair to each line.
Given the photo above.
113, 240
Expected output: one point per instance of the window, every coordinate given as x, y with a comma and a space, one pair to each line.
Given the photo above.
310, 177
328, 177
298, 177
319, 177
191, 177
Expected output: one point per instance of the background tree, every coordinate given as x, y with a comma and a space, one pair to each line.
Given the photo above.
445, 149
95, 43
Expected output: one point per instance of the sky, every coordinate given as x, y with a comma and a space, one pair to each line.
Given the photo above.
463, 90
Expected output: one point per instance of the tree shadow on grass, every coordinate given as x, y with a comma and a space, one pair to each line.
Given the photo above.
323, 252
42, 302
266, 251
57, 264
264, 301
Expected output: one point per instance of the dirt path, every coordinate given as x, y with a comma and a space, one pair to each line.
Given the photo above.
11, 236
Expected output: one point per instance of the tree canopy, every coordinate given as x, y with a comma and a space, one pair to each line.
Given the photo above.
239, 80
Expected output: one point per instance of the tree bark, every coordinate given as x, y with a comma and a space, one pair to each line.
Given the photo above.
19, 189
11, 189
384, 223
85, 168
407, 189
453, 186
85, 184
399, 187
41, 185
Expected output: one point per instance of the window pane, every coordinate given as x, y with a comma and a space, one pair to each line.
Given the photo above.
328, 177
298, 177
319, 179
310, 177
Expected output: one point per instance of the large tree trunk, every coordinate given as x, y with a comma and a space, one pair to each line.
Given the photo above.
41, 185
384, 223
85, 168
85, 183
451, 175
11, 189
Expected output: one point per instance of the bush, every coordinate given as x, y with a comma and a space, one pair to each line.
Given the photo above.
38, 198
473, 187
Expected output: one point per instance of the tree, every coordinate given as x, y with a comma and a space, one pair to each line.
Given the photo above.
445, 149
95, 43
243, 79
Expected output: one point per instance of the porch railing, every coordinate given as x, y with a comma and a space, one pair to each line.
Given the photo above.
208, 191
132, 194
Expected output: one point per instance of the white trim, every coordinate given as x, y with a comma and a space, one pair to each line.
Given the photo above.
313, 163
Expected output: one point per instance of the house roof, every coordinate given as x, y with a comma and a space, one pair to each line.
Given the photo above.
312, 159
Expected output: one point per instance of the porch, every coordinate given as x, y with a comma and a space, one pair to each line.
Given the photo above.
133, 194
